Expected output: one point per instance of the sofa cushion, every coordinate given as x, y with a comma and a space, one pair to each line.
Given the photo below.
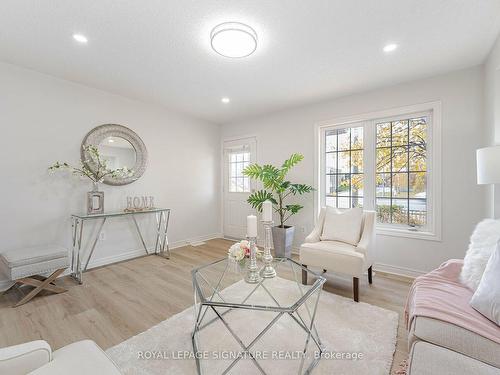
342, 225
454, 338
486, 299
429, 359
333, 256
80, 358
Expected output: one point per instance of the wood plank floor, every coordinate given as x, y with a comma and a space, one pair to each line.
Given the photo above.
121, 300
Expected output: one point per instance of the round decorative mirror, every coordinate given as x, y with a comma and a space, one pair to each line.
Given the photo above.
121, 148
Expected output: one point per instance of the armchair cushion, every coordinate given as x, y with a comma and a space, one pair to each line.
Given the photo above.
24, 358
342, 225
334, 256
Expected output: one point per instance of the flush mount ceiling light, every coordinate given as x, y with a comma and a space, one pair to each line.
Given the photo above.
390, 47
225, 100
80, 38
233, 39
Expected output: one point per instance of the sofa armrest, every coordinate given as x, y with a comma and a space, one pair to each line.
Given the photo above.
24, 358
314, 236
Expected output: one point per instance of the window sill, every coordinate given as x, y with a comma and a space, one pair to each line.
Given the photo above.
400, 232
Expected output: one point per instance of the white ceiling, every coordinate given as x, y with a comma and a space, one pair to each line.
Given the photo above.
159, 50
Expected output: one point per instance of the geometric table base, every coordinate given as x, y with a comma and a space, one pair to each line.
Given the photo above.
217, 303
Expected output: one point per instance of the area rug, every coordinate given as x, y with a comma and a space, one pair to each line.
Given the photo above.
359, 338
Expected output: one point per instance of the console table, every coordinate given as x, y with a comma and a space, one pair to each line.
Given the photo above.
77, 223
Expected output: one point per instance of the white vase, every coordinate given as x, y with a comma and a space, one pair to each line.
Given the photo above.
95, 200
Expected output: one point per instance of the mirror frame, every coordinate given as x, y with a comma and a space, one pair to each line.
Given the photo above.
99, 133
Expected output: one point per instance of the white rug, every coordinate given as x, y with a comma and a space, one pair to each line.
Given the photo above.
358, 330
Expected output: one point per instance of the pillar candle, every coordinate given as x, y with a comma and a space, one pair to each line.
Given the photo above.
267, 211
251, 226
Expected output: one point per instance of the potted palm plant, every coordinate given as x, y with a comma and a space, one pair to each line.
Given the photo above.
278, 190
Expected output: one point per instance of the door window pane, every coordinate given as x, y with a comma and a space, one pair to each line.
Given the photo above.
238, 161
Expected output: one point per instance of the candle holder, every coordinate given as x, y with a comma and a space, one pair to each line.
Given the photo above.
252, 276
268, 271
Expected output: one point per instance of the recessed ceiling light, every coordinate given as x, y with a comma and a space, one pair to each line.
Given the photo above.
233, 39
80, 38
225, 100
111, 140
390, 47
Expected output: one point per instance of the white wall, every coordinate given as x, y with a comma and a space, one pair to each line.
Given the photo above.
463, 203
44, 119
492, 115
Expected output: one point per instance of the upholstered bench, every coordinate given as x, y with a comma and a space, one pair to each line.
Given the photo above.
26, 267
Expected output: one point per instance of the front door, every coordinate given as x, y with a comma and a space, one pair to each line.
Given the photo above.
238, 154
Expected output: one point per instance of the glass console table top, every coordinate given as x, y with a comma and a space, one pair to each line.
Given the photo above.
81, 256
118, 213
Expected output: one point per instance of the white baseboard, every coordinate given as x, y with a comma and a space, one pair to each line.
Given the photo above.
396, 270
6, 284
137, 253
187, 242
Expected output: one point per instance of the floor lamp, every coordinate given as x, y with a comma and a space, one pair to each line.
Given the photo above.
488, 167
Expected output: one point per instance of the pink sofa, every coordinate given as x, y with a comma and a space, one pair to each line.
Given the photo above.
446, 335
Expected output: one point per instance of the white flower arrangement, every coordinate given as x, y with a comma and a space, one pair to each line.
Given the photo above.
241, 250
99, 169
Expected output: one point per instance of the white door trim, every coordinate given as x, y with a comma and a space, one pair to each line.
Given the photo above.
225, 140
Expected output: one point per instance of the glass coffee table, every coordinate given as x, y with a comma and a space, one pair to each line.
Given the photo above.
253, 328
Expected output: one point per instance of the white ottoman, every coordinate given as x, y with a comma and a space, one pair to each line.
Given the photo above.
25, 266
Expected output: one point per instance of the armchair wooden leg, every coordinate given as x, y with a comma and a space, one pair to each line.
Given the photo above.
304, 275
370, 280
355, 288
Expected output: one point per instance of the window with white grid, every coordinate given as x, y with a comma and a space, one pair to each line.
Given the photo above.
389, 164
238, 160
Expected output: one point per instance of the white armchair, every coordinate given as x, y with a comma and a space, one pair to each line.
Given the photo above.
341, 257
36, 358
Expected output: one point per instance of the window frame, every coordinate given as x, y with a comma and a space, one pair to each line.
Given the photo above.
236, 151
432, 230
